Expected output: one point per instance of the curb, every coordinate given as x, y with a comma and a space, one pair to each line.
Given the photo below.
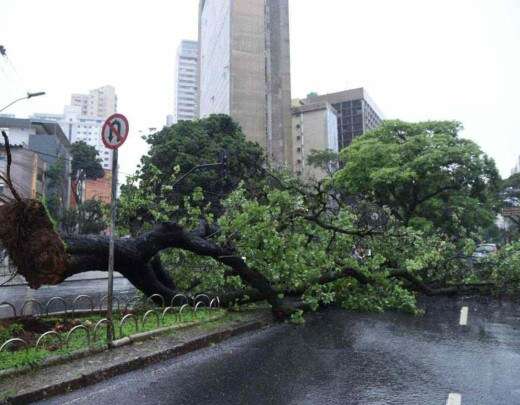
133, 364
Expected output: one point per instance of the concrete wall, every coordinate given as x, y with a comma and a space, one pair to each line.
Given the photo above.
339, 97
259, 70
19, 136
279, 80
314, 128
27, 173
49, 148
248, 74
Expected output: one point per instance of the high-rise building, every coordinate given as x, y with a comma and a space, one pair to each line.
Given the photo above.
78, 127
170, 120
101, 102
357, 113
516, 169
186, 82
244, 59
315, 127
83, 119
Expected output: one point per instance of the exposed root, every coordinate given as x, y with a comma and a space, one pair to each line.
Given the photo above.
36, 250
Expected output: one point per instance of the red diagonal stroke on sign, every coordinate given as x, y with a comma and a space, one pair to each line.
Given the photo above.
116, 131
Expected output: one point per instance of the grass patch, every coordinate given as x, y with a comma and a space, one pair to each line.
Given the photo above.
30, 329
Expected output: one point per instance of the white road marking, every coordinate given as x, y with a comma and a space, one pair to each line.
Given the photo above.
454, 399
464, 316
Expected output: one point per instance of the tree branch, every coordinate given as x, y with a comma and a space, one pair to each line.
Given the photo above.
134, 258
8, 179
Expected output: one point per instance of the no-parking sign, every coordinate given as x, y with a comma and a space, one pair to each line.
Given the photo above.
114, 131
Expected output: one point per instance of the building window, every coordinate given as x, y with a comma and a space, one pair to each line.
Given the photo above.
299, 150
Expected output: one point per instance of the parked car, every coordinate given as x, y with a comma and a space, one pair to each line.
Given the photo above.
484, 250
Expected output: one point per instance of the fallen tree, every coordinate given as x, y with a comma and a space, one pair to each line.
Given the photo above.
44, 257
137, 259
305, 242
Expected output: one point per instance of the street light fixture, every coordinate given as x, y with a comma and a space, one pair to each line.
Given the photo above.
28, 96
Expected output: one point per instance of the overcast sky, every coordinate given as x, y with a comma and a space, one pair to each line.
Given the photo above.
418, 59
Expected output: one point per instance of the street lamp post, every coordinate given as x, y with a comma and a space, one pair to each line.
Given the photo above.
28, 96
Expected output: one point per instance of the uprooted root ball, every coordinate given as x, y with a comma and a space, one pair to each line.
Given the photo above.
37, 251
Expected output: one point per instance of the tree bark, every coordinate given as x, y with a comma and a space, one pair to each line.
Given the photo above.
136, 258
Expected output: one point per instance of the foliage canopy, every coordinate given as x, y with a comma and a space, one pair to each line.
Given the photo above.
425, 174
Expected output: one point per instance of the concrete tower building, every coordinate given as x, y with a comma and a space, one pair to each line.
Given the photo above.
244, 55
186, 82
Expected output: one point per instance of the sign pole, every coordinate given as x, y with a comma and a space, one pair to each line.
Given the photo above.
110, 293
113, 134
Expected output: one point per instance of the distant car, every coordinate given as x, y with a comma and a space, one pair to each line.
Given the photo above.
484, 250
512, 201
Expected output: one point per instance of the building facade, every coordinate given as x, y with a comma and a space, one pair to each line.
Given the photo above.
357, 113
314, 128
244, 69
99, 189
101, 102
27, 173
186, 82
83, 119
37, 145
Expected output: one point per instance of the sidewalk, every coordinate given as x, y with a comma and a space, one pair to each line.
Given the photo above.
20, 281
53, 380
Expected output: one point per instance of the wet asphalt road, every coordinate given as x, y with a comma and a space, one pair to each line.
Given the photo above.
95, 288
341, 358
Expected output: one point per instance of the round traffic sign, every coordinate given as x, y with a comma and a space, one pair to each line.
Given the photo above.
114, 131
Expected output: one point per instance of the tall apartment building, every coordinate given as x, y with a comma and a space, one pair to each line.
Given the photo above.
100, 102
83, 118
357, 113
186, 82
244, 59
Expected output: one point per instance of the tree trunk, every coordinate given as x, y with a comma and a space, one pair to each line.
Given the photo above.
137, 260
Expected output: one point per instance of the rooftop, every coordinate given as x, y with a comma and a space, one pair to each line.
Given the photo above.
321, 105
345, 95
41, 126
